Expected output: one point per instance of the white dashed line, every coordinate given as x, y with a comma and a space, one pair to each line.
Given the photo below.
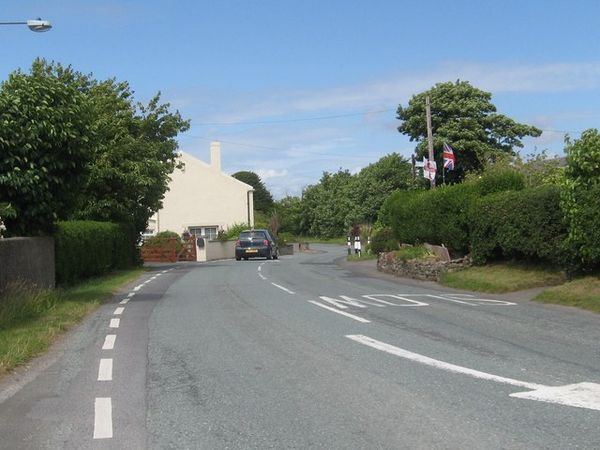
109, 342
103, 428
124, 301
262, 276
119, 311
337, 311
283, 288
131, 294
114, 323
105, 369
138, 287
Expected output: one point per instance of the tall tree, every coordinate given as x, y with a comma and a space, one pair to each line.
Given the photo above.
263, 200
45, 131
376, 182
134, 154
465, 118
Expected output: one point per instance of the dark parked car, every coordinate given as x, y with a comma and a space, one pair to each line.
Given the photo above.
256, 243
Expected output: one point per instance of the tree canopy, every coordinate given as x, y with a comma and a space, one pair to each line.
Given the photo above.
75, 147
466, 119
46, 126
263, 200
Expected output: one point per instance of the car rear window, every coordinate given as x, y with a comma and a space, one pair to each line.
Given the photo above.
253, 235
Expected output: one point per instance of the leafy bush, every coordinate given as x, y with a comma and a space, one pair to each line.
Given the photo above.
87, 248
581, 201
232, 232
499, 180
438, 216
525, 224
384, 241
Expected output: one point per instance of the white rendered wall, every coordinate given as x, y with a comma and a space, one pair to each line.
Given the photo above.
201, 195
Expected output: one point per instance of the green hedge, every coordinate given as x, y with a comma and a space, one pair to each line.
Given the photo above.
87, 248
384, 241
438, 216
522, 225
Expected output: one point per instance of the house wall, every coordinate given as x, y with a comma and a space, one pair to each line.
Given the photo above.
201, 195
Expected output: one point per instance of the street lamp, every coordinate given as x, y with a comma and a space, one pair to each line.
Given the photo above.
38, 25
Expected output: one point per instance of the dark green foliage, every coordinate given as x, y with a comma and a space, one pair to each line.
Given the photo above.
438, 216
465, 118
521, 225
501, 180
88, 248
292, 219
581, 200
263, 200
45, 129
384, 241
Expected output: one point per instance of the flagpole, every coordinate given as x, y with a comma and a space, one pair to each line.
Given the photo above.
443, 174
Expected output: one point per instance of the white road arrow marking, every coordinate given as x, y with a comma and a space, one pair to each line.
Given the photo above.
580, 395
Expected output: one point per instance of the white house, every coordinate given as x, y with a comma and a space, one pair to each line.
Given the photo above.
203, 200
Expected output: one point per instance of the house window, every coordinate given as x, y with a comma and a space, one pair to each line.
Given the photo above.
205, 232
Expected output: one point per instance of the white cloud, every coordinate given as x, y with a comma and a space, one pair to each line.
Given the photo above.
265, 174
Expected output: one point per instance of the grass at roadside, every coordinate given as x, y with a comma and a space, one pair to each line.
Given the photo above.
582, 293
27, 331
500, 278
362, 257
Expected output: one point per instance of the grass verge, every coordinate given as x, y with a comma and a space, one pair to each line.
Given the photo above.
581, 293
30, 321
500, 278
362, 257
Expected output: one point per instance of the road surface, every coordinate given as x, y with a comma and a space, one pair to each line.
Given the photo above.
303, 353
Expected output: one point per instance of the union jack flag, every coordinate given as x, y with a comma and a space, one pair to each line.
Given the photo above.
449, 158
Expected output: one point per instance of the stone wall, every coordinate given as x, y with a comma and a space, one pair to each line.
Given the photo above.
419, 269
30, 259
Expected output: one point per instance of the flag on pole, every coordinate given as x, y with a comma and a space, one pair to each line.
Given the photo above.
449, 158
429, 169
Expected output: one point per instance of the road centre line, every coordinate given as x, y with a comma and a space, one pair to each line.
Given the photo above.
131, 294
103, 428
124, 301
105, 369
109, 342
343, 313
114, 323
283, 288
579, 395
119, 311
138, 287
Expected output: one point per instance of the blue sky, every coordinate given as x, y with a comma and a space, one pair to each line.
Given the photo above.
256, 74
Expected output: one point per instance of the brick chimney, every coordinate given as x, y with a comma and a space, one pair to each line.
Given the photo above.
215, 155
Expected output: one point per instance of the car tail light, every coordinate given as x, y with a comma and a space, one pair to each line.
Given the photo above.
266, 243
237, 243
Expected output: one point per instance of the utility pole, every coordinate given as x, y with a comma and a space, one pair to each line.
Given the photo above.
429, 137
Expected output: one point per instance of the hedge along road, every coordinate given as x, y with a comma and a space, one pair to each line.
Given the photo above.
301, 353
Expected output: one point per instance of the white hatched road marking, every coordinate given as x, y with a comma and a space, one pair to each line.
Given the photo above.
119, 311
105, 369
579, 395
283, 288
103, 428
351, 316
109, 342
114, 323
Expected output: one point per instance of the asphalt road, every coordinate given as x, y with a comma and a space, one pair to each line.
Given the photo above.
305, 353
